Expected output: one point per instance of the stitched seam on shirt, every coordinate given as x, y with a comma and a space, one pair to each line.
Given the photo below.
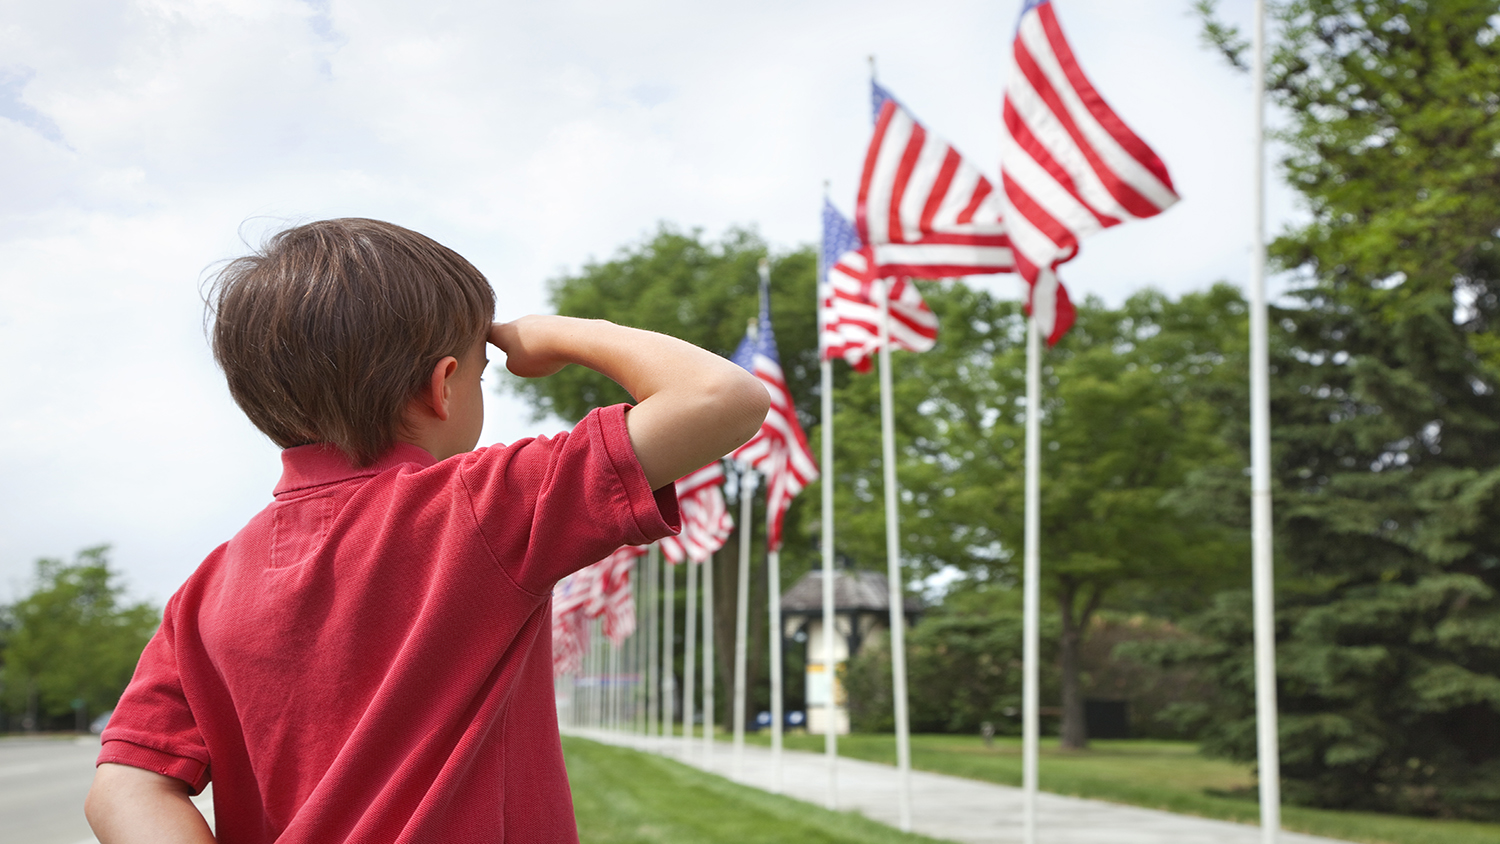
484, 537
198, 774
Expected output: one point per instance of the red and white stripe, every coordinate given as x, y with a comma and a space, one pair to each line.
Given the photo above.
923, 209
779, 450
706, 524
849, 320
618, 604
1069, 166
601, 589
570, 597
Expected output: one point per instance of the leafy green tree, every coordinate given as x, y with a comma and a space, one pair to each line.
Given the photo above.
703, 292
74, 644
963, 668
1127, 419
1386, 417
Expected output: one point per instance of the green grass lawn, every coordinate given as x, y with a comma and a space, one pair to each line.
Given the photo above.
623, 796
1154, 774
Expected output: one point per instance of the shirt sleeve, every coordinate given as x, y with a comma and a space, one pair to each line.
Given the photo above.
152, 726
550, 506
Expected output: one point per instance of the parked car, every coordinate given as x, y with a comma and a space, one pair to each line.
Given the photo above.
795, 718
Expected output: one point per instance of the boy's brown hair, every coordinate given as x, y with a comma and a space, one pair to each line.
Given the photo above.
332, 328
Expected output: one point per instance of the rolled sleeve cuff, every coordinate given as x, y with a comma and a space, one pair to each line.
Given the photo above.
655, 512
194, 772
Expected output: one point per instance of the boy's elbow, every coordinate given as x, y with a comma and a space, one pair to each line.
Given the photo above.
99, 803
749, 402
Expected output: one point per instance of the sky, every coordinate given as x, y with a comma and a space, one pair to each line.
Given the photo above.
144, 142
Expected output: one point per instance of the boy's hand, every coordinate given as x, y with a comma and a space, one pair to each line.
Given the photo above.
524, 343
692, 406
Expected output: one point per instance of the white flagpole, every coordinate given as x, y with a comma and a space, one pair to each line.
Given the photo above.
596, 673
668, 646
1032, 587
614, 684
893, 561
653, 635
742, 617
689, 658
773, 593
830, 733
773, 577
1268, 749
637, 639
708, 662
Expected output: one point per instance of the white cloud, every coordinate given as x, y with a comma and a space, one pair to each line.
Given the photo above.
142, 140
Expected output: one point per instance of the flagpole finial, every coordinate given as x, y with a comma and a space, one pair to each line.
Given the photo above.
872, 67
827, 184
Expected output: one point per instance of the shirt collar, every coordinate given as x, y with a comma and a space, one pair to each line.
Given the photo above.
306, 466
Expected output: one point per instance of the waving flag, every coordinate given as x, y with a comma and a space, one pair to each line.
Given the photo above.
570, 598
848, 316
600, 589
779, 449
613, 587
706, 523
1069, 166
922, 209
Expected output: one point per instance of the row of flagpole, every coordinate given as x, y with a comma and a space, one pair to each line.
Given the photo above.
1035, 239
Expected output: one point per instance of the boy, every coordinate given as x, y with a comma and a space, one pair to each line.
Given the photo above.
368, 660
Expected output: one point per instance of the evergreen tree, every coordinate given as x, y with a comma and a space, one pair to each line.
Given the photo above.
1386, 420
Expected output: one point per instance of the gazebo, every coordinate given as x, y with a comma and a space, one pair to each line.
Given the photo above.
861, 605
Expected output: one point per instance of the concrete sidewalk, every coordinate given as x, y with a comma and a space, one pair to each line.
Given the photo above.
953, 808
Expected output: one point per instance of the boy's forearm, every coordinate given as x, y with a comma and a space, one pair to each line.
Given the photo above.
692, 405
130, 805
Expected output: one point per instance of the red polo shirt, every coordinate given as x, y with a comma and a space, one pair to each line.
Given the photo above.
369, 659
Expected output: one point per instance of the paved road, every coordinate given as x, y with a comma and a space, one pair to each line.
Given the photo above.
42, 785
955, 809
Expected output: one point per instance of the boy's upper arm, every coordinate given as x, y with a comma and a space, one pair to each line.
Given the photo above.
548, 507
674, 432
127, 804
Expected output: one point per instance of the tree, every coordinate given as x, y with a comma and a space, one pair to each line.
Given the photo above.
1386, 417
702, 292
1127, 419
74, 644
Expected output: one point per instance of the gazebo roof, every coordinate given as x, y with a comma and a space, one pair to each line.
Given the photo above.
853, 591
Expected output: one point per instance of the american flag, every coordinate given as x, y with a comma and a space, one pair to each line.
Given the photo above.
617, 605
1069, 166
922, 208
779, 449
706, 523
848, 316
600, 589
570, 598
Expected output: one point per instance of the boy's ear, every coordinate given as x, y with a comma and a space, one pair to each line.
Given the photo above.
439, 392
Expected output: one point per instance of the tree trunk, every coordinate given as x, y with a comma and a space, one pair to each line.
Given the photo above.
1075, 735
